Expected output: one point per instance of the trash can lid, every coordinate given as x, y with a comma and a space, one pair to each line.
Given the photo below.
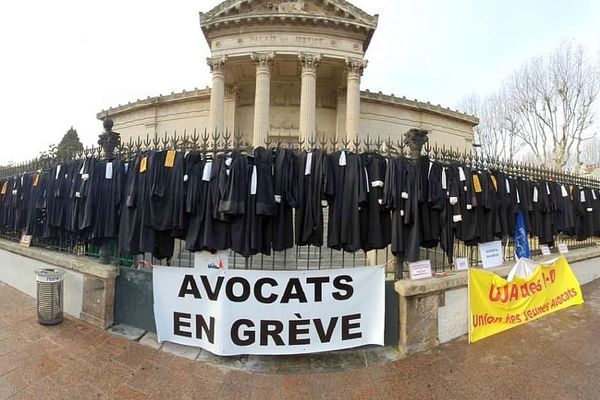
49, 274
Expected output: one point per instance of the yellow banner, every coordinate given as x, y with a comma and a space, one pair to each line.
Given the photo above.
496, 305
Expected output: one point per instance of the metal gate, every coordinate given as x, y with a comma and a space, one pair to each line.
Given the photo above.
134, 300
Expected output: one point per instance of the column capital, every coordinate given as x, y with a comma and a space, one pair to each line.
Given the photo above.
216, 64
263, 60
309, 61
355, 66
232, 91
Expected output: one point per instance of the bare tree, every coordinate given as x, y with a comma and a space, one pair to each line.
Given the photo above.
545, 110
553, 99
495, 132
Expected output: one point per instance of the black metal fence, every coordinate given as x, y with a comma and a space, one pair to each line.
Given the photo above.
309, 257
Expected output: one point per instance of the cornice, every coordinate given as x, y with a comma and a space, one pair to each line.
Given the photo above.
215, 14
214, 20
365, 95
156, 100
419, 106
288, 17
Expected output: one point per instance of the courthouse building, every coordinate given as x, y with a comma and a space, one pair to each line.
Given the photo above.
287, 71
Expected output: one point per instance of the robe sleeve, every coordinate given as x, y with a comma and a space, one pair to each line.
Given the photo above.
292, 189
131, 190
158, 177
328, 190
363, 183
389, 186
454, 186
377, 182
234, 199
191, 196
120, 179
409, 186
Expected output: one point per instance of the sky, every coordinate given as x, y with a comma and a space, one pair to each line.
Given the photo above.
65, 60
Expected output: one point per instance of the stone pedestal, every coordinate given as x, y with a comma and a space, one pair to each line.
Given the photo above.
98, 301
418, 323
416, 139
262, 98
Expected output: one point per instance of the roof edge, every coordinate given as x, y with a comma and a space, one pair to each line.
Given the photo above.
427, 106
153, 100
366, 94
212, 15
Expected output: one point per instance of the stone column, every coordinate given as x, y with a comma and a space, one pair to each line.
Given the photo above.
216, 119
308, 96
354, 68
340, 131
231, 99
262, 97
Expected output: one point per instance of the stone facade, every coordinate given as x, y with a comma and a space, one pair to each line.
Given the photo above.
286, 71
380, 115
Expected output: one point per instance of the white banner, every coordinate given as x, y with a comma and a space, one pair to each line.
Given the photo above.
206, 259
232, 312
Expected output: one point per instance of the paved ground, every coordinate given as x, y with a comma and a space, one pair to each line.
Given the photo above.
555, 358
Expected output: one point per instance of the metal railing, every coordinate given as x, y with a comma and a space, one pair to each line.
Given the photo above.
307, 257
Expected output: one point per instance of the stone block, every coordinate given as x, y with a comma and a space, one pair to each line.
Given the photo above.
150, 340
98, 301
181, 351
418, 323
127, 332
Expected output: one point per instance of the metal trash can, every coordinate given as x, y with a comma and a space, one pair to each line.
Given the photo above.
49, 295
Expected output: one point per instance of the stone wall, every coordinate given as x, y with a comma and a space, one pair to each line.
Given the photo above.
435, 311
89, 287
19, 272
381, 116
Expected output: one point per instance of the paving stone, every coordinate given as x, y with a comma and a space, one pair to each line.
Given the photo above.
230, 362
556, 357
182, 351
379, 356
150, 340
126, 331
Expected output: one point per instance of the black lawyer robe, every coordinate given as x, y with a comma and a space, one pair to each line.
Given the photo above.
195, 204
375, 218
35, 213
467, 226
136, 235
107, 189
401, 198
250, 202
167, 193
285, 188
217, 230
314, 186
348, 196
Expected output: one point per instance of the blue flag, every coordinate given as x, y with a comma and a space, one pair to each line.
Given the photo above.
522, 249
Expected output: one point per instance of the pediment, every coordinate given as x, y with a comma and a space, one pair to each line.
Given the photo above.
334, 9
